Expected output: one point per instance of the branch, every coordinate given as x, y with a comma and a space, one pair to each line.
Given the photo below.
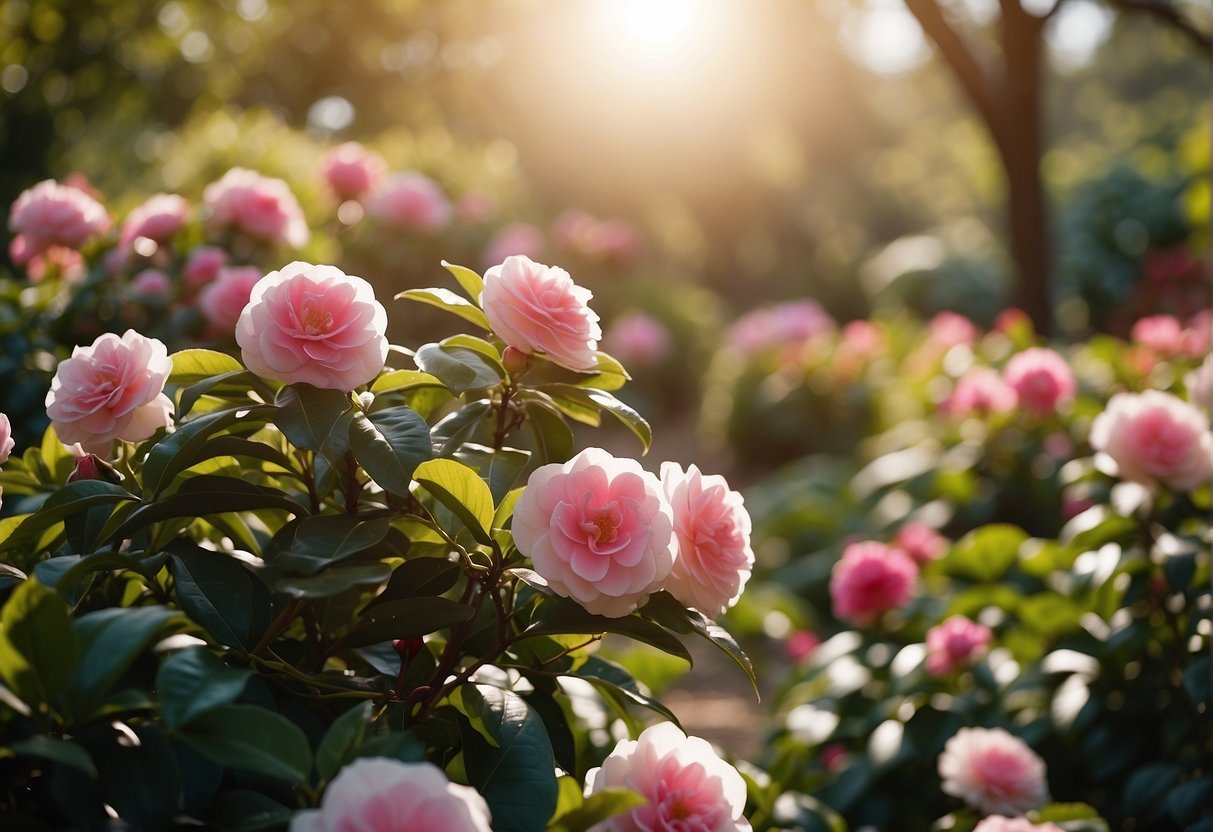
962, 62
1163, 11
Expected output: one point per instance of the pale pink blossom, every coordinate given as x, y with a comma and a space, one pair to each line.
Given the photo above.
313, 324
351, 170
222, 300
860, 340
1200, 385
869, 580
67, 263
538, 308
1161, 333
379, 794
638, 338
954, 644
476, 207
791, 323
1198, 334
982, 392
410, 201
157, 219
1042, 380
801, 645
152, 283
951, 329
687, 786
203, 265
713, 530
516, 238
1153, 437
998, 823
6, 438
617, 243
113, 389
599, 529
573, 231
920, 542
260, 207
993, 771
54, 214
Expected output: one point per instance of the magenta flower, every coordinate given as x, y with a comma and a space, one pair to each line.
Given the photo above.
993, 771
981, 392
687, 786
203, 265
538, 308
1153, 437
111, 390
1042, 380
260, 207
954, 644
599, 529
50, 214
378, 794
314, 324
922, 543
869, 580
351, 170
157, 219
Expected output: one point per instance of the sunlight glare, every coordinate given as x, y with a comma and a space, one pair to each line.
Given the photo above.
665, 33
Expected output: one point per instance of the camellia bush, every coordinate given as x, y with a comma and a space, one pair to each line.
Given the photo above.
341, 582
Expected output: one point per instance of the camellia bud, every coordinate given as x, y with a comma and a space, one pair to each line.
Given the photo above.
515, 361
93, 467
407, 648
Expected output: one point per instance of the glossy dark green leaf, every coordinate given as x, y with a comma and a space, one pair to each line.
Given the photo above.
499, 469
323, 540
517, 779
192, 681
335, 580
242, 810
550, 435
252, 738
626, 414
208, 494
180, 449
306, 415
560, 616
1146, 791
235, 384
220, 594
418, 578
460, 369
139, 776
389, 445
453, 430
462, 491
665, 609
616, 682
240, 447
63, 752
109, 642
1190, 801
10, 576
194, 365
341, 740
38, 649
448, 301
408, 618
71, 498
67, 571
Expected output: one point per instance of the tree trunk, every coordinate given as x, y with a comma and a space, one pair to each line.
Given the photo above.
1020, 146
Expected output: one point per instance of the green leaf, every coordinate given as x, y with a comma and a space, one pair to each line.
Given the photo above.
207, 494
517, 779
241, 447
404, 380
59, 751
242, 810
323, 540
10, 576
1050, 614
341, 740
609, 375
221, 594
667, 611
418, 578
463, 492
985, 553
110, 640
66, 571
190, 366
238, 383
389, 445
551, 437
1145, 793
453, 430
1188, 801
71, 498
192, 681
306, 415
334, 581
448, 301
469, 281
560, 616
460, 369
499, 469
616, 682
408, 618
467, 700
251, 738
632, 420
596, 808
180, 449
37, 646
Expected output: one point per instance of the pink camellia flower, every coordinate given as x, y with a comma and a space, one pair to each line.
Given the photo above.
1198, 334
1161, 333
1200, 385
637, 338
156, 219
410, 201
351, 170
993, 771
222, 301
203, 265
980, 392
153, 284
314, 324
920, 542
1153, 437
573, 231
538, 308
954, 644
860, 340
688, 787
792, 323
950, 329
801, 645
65, 262
998, 823
1041, 378
516, 238
617, 242
599, 529
378, 794
260, 207
476, 207
869, 580
51, 214
713, 530
6, 438
111, 390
